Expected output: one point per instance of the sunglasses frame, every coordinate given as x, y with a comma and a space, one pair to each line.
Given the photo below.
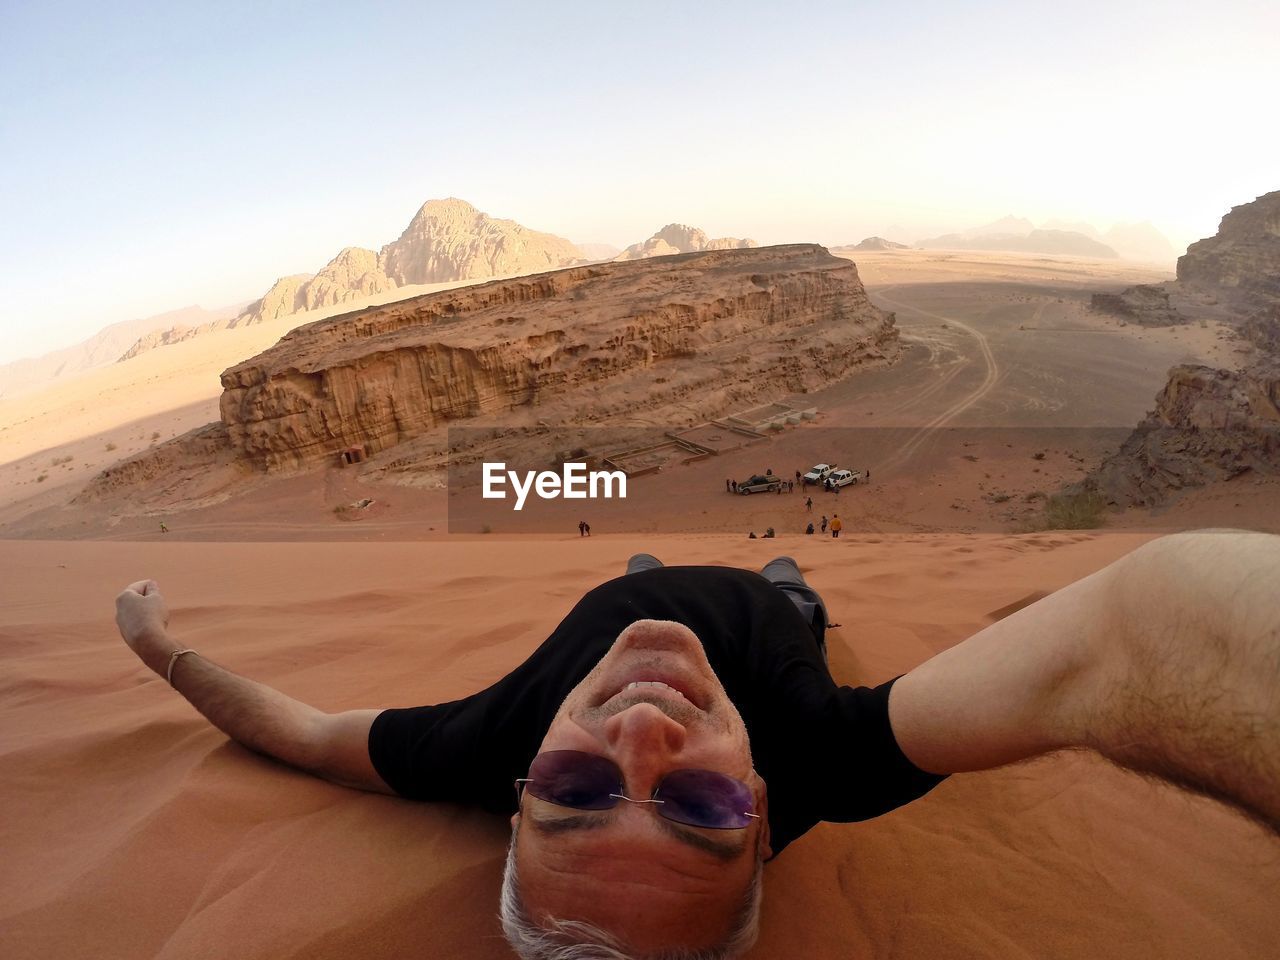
521, 782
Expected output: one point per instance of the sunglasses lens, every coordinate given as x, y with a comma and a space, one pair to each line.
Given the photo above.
570, 778
703, 798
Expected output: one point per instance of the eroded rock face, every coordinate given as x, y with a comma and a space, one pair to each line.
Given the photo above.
1243, 256
581, 345
1208, 425
452, 240
352, 274
1238, 267
677, 238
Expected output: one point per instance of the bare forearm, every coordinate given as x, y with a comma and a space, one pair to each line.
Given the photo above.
253, 714
331, 745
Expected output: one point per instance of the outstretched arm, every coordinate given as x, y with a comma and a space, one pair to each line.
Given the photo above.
1166, 662
333, 746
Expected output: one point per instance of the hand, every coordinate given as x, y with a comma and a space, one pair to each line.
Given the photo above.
142, 615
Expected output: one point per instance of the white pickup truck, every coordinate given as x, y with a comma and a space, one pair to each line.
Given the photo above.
842, 478
819, 473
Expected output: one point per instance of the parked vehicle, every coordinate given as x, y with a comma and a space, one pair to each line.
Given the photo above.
760, 483
842, 478
819, 473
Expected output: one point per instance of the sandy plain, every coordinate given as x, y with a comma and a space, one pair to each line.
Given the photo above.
129, 828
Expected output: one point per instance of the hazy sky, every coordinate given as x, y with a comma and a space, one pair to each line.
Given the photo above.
157, 156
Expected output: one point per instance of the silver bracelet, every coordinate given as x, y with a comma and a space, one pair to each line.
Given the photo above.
173, 658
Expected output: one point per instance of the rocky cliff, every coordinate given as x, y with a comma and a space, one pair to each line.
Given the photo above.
447, 240
1236, 270
677, 238
672, 340
1207, 425
1243, 257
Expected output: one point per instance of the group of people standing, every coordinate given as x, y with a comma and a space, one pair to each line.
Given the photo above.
835, 524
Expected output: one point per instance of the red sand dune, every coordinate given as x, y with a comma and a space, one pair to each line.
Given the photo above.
130, 828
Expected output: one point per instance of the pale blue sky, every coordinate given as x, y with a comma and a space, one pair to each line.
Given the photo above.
153, 156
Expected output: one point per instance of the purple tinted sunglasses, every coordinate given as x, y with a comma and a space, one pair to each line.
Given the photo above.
587, 781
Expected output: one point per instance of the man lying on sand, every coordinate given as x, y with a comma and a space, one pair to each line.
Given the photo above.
680, 727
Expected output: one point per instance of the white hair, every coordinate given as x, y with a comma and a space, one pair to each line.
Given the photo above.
557, 939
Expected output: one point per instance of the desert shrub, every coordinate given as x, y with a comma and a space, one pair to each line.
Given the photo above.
486, 529
156, 435
1075, 511
110, 446
42, 478
58, 461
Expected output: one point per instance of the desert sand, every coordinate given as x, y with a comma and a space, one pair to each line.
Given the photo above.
130, 828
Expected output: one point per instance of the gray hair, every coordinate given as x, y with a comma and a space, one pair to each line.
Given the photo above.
559, 939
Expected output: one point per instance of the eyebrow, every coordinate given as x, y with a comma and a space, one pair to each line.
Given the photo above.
725, 850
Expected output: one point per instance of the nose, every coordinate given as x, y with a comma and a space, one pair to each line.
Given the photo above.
644, 741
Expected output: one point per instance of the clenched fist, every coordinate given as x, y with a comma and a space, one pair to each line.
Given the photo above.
142, 615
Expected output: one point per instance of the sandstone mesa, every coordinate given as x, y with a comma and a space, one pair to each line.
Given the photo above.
588, 344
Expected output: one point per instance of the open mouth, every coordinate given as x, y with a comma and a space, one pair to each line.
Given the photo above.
648, 688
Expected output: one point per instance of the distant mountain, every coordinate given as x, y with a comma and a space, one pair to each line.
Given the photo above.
452, 240
447, 240
102, 348
879, 243
680, 238
1057, 242
1131, 241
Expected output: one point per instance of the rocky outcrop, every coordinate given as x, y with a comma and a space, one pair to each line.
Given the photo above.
170, 470
1147, 305
352, 274
593, 344
1262, 329
1208, 425
1237, 270
677, 238
1243, 257
165, 338
879, 243
447, 240
452, 240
